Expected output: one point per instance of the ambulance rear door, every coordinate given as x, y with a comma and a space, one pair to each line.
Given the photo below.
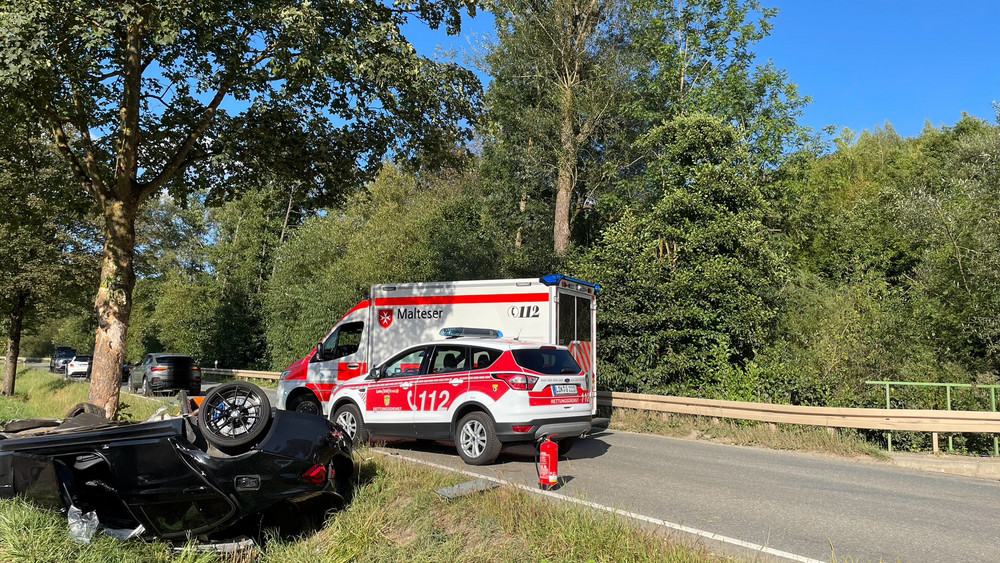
576, 327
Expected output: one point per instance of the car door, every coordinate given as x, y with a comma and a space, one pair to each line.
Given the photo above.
389, 400
139, 372
445, 380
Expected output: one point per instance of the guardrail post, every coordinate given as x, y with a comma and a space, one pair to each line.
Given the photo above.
993, 405
888, 435
947, 389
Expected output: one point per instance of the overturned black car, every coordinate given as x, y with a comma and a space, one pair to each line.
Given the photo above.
232, 467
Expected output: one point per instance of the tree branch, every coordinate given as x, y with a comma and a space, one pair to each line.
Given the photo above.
62, 143
180, 159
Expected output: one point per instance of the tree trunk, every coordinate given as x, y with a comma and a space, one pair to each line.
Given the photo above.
113, 304
13, 343
566, 176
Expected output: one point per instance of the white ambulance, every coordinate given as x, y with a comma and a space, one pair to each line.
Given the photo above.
352, 362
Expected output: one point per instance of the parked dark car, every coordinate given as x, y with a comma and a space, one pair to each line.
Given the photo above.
234, 467
159, 373
61, 357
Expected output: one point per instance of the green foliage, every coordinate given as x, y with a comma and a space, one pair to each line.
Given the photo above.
400, 229
186, 315
690, 286
893, 242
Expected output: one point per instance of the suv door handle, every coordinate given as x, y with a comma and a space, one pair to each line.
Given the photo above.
405, 385
353, 366
457, 381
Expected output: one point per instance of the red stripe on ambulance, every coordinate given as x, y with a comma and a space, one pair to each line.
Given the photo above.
462, 299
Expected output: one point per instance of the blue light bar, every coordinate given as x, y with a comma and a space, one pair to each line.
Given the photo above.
555, 279
461, 331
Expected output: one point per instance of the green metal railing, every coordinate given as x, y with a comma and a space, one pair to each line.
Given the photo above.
948, 387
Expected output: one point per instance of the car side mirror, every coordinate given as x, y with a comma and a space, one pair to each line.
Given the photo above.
320, 352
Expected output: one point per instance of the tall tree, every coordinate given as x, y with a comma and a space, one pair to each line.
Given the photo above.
558, 75
45, 262
134, 94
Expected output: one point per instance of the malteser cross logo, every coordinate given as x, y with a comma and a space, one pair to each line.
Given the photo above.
385, 317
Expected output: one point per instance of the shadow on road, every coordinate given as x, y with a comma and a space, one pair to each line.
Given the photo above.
585, 448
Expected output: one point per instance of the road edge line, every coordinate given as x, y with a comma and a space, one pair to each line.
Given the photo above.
616, 511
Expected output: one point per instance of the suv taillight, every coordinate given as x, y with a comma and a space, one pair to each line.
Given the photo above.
518, 381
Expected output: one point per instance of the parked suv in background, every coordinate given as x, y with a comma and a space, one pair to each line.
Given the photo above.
158, 373
61, 357
78, 367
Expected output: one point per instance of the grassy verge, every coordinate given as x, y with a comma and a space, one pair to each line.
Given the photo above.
39, 394
395, 516
775, 436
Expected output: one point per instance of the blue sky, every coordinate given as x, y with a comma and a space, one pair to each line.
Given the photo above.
863, 63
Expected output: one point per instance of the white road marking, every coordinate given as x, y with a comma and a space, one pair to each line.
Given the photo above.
648, 519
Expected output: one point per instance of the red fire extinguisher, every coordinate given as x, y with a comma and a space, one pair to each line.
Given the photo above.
548, 464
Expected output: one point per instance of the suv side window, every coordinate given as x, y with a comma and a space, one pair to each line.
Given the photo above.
406, 364
447, 359
483, 358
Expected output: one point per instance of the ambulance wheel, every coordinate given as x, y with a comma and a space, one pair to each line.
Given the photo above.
349, 418
565, 445
476, 439
306, 404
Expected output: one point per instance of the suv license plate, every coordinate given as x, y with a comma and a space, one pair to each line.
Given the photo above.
564, 389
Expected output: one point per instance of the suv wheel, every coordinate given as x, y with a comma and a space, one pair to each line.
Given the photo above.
476, 439
349, 418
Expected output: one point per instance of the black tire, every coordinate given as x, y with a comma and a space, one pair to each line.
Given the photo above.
145, 390
234, 415
89, 408
307, 404
476, 439
565, 445
349, 418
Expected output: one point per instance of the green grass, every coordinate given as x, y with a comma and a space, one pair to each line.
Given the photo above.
39, 394
847, 443
395, 516
28, 533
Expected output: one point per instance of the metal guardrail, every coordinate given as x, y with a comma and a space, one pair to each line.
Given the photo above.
948, 387
870, 419
888, 419
242, 373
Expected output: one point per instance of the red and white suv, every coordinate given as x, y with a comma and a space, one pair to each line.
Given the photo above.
479, 393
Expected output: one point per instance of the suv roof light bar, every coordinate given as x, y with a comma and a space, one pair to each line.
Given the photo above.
461, 331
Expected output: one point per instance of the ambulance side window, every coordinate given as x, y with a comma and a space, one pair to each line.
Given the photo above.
406, 364
344, 341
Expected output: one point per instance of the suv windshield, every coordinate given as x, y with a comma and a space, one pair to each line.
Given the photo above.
550, 361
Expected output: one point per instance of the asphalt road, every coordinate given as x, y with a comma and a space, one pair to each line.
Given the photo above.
813, 506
